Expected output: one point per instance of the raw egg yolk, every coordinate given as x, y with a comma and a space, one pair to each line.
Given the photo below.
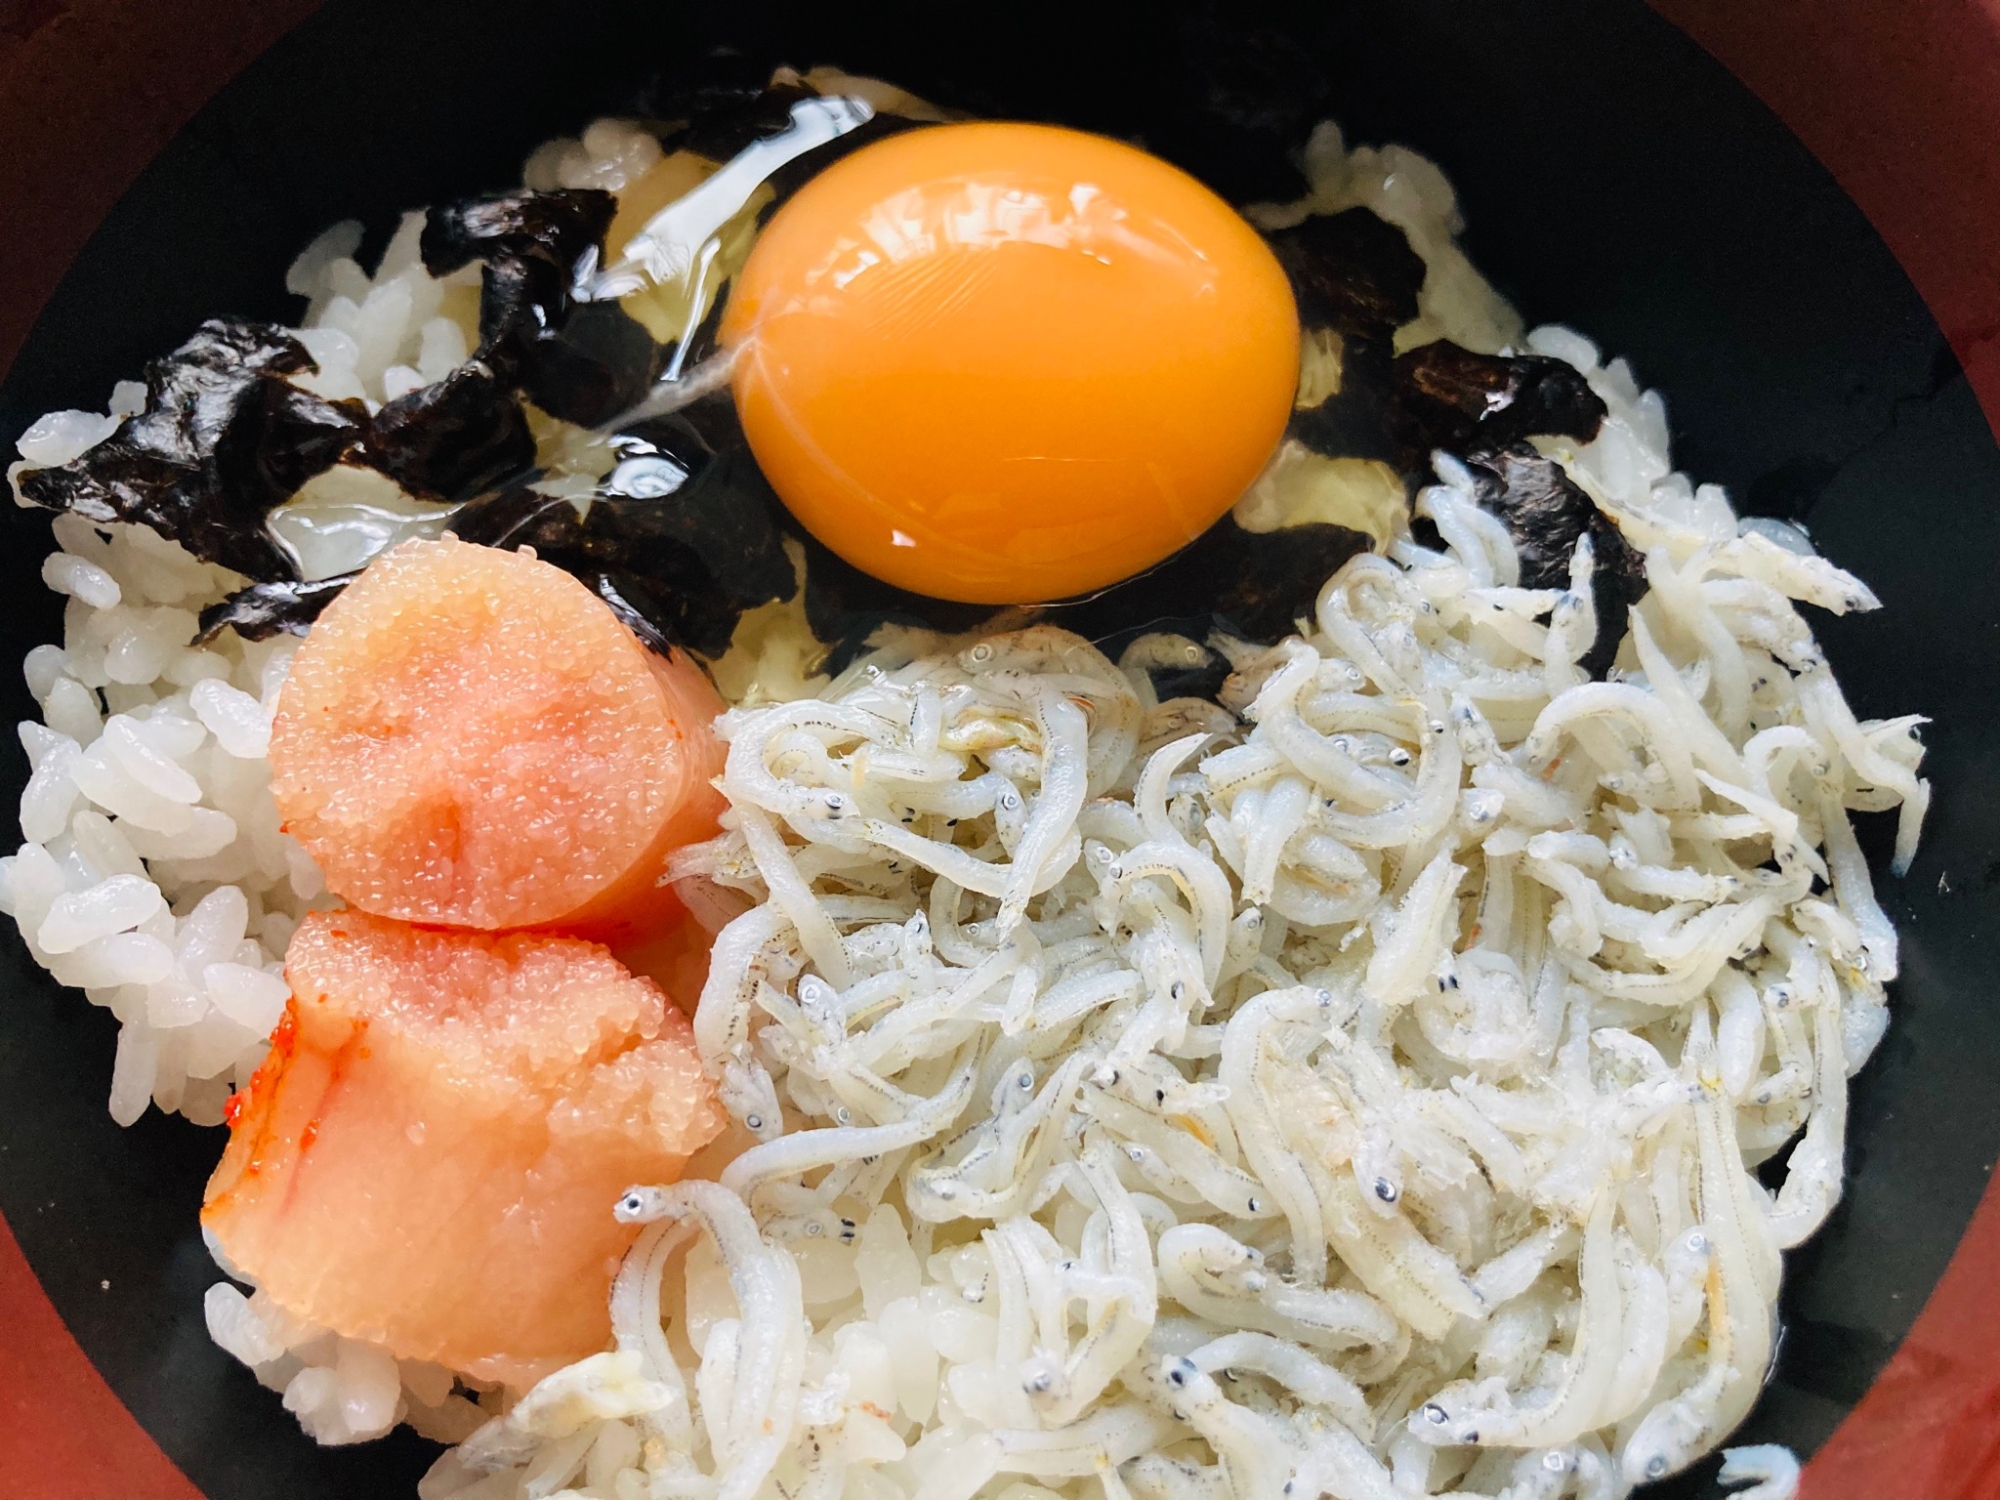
1010, 363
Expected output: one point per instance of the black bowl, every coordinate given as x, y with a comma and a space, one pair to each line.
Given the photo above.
1613, 177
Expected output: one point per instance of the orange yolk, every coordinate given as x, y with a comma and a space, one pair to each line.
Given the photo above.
1010, 363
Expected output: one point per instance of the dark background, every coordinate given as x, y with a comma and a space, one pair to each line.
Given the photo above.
1613, 177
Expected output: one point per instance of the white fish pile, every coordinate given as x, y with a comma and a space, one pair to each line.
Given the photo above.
1357, 1099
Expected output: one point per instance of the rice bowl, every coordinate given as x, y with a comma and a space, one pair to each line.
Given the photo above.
1619, 475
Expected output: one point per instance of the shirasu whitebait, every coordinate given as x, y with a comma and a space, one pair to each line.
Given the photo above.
1358, 1098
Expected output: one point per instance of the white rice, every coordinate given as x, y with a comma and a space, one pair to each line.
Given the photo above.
921, 1357
153, 875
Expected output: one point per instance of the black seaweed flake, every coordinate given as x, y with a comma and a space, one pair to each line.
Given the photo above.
617, 590
678, 536
1354, 275
454, 437
530, 243
619, 549
845, 606
1255, 583
692, 85
265, 609
1451, 398
614, 549
599, 363
723, 122
1353, 272
1545, 512
1359, 421
1203, 679
224, 437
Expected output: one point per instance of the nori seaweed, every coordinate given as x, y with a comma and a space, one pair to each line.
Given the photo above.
694, 86
1466, 403
726, 121
453, 438
1545, 513
1256, 584
679, 534
1360, 420
599, 362
223, 438
1204, 681
1354, 273
1253, 585
530, 243
264, 609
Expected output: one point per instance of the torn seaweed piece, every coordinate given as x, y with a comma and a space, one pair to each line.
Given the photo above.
1200, 673
1257, 582
691, 85
844, 605
1451, 398
554, 228
1358, 420
531, 243
683, 536
725, 122
1545, 512
454, 437
265, 609
1353, 272
600, 362
1275, 576
634, 618
223, 438
621, 557
720, 121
